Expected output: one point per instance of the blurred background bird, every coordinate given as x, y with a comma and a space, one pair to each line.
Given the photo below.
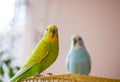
78, 59
43, 55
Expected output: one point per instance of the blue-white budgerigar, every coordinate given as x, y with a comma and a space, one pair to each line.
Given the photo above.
78, 59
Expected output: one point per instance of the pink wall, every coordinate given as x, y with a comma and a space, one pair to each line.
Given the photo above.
98, 22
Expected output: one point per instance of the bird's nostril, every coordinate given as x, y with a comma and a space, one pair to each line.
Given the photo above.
52, 31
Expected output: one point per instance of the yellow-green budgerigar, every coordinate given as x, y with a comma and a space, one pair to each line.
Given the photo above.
44, 54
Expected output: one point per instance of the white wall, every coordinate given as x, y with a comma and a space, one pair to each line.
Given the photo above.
98, 22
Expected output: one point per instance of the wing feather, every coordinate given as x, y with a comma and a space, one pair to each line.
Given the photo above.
39, 53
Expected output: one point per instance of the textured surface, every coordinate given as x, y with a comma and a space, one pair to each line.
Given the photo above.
71, 78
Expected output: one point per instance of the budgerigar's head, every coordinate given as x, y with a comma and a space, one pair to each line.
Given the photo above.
51, 34
77, 41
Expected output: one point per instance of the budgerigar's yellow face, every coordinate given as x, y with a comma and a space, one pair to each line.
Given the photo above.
51, 34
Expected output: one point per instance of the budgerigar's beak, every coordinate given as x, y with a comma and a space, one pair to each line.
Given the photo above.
52, 32
74, 41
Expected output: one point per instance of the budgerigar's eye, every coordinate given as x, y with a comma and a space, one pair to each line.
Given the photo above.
47, 29
79, 39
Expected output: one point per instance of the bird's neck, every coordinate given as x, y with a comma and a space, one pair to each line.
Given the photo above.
78, 48
51, 40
